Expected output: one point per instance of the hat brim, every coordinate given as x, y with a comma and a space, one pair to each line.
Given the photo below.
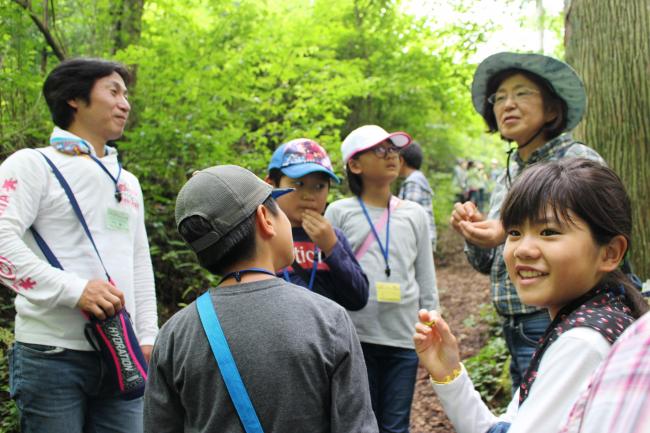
562, 78
278, 192
399, 139
300, 170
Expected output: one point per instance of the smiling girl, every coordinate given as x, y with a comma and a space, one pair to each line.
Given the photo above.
568, 226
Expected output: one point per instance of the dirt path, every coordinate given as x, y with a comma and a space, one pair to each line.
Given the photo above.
463, 292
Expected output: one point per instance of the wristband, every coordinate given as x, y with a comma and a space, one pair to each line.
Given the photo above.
449, 378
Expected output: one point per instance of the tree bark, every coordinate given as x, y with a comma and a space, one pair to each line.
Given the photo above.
128, 24
607, 42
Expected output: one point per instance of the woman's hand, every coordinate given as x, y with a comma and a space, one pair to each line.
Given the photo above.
484, 234
464, 212
435, 345
472, 225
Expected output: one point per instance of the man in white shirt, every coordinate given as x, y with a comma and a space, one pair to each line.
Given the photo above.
56, 378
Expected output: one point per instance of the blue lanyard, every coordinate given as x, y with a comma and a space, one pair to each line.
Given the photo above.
118, 193
237, 274
312, 277
384, 252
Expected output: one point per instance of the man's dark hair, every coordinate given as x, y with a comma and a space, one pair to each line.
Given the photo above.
552, 102
74, 79
235, 246
593, 192
412, 155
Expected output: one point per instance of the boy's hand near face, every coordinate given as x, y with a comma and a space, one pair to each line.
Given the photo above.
319, 230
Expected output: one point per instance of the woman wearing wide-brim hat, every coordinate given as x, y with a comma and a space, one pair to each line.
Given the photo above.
532, 100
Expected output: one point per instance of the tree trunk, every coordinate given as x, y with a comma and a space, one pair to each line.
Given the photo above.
128, 23
607, 42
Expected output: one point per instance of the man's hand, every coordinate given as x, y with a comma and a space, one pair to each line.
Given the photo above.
101, 299
319, 230
146, 351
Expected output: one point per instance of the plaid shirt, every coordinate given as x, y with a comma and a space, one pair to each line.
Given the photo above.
413, 191
618, 397
504, 294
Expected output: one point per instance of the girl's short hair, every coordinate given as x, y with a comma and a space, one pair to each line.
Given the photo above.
592, 191
551, 100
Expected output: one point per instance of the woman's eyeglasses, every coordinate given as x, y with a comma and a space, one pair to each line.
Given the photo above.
520, 95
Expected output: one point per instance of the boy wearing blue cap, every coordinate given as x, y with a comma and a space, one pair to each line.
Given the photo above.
324, 261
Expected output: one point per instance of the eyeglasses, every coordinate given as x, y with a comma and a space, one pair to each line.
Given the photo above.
382, 151
520, 95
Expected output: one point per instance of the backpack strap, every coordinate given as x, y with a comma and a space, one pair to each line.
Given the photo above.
227, 365
77, 210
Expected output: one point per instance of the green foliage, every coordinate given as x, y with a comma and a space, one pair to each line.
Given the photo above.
8, 410
489, 368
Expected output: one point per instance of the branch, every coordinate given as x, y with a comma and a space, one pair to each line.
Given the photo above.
56, 47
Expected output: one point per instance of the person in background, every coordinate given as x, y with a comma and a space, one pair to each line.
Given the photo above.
459, 180
415, 186
473, 183
58, 380
323, 260
531, 100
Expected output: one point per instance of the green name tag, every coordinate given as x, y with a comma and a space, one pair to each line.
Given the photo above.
117, 220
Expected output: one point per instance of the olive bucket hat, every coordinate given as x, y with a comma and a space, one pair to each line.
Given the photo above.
562, 78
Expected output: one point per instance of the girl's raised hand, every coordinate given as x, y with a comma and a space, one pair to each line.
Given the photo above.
435, 345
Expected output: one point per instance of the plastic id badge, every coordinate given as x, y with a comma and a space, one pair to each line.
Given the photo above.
388, 292
117, 220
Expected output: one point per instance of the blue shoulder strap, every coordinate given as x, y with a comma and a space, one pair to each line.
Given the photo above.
227, 366
77, 210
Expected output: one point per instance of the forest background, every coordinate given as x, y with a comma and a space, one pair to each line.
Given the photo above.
223, 81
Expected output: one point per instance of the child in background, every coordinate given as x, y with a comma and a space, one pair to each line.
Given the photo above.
416, 186
390, 238
323, 260
568, 225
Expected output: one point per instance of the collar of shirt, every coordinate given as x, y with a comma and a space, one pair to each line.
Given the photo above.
71, 144
545, 152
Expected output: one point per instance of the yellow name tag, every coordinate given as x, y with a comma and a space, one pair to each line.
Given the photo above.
388, 292
117, 220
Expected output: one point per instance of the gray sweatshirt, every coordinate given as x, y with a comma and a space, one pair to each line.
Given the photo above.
297, 353
411, 262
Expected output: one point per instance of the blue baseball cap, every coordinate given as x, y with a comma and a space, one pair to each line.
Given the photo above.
299, 157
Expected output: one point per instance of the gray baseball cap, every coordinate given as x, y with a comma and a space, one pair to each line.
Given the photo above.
563, 79
225, 195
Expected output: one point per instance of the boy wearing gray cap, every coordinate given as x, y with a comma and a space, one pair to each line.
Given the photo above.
297, 353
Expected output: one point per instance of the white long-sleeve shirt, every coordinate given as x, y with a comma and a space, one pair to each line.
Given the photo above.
30, 195
563, 372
